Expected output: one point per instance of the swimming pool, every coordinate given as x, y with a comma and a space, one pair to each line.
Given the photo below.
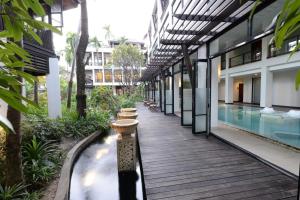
276, 126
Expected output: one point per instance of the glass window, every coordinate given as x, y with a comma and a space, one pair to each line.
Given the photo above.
98, 58
229, 39
89, 55
118, 75
89, 77
108, 75
98, 75
287, 46
107, 59
223, 61
264, 19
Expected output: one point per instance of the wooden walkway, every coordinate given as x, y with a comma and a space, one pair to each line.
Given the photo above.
183, 166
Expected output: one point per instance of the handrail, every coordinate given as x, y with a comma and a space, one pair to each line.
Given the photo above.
244, 59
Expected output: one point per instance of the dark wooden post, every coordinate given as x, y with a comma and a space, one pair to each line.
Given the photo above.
188, 63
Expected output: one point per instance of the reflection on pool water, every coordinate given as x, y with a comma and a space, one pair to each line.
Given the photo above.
276, 126
95, 175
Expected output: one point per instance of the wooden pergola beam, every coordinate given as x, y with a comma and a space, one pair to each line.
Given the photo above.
188, 63
209, 18
178, 42
190, 32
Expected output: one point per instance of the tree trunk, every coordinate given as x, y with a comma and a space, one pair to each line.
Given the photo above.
70, 85
14, 172
36, 92
80, 54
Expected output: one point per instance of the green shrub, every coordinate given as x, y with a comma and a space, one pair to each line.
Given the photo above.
126, 102
102, 97
12, 193
40, 161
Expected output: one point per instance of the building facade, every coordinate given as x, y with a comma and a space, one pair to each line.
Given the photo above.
204, 52
101, 72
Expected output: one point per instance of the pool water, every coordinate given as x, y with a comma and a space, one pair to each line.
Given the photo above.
95, 175
276, 126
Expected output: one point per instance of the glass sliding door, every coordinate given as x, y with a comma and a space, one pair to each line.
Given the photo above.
200, 97
162, 95
186, 98
157, 91
169, 100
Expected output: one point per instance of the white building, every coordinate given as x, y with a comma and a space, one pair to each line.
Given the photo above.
101, 72
229, 57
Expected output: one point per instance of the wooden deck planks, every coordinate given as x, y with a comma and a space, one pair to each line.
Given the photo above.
180, 165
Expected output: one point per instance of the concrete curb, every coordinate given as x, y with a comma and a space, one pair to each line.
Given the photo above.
63, 187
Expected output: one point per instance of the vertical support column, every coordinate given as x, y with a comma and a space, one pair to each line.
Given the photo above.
215, 64
266, 88
93, 78
53, 89
228, 89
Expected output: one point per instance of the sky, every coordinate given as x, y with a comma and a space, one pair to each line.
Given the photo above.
128, 18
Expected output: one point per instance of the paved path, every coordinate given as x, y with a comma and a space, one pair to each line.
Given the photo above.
180, 165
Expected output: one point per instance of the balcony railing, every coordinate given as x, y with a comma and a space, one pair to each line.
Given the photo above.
244, 58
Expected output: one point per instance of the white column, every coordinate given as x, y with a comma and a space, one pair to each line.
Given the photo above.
228, 89
247, 96
214, 91
53, 89
93, 78
266, 88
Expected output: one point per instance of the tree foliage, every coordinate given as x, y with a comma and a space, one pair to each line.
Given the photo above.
18, 23
95, 43
287, 23
130, 59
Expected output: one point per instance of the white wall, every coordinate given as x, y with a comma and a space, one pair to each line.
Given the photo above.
284, 92
247, 97
221, 88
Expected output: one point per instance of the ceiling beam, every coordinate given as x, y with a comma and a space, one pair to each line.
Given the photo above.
235, 5
168, 50
209, 18
178, 42
190, 32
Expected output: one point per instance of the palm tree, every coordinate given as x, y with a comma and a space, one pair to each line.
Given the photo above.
80, 55
108, 33
95, 43
123, 40
70, 58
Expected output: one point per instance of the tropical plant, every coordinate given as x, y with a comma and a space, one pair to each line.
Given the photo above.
287, 23
70, 58
95, 43
81, 62
18, 23
108, 33
123, 40
39, 160
39, 151
14, 192
130, 59
19, 19
102, 97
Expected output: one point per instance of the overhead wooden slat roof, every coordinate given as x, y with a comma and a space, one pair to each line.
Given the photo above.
194, 24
